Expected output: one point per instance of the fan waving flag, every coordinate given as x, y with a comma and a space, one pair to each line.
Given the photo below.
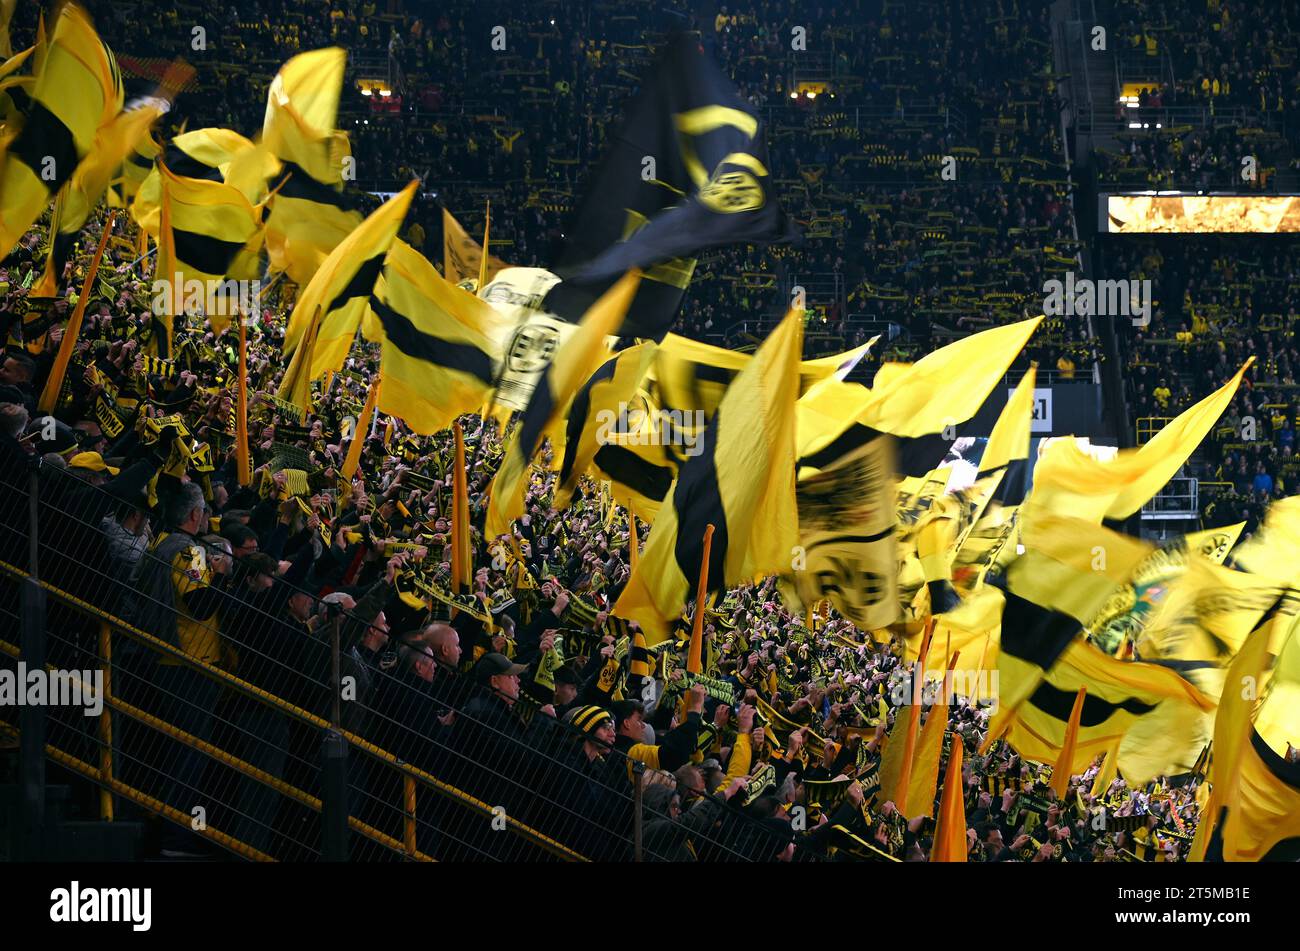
687, 171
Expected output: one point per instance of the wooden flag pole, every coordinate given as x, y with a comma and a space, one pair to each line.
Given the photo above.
632, 540
459, 513
50, 395
242, 460
701, 596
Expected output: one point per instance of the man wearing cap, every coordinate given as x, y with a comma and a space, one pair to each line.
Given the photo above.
494, 736
677, 745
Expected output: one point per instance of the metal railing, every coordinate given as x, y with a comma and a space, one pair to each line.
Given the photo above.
256, 752
1179, 499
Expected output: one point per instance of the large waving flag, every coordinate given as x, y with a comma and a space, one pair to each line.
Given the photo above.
709, 185
440, 343
75, 92
742, 483
595, 412
312, 211
216, 236
330, 309
1069, 480
573, 365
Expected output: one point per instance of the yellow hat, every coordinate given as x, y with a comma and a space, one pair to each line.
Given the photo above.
92, 461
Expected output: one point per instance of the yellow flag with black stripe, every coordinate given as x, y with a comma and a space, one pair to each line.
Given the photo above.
742, 482
207, 154
1119, 694
312, 211
599, 416
1068, 570
216, 236
75, 91
440, 343
331, 306
573, 365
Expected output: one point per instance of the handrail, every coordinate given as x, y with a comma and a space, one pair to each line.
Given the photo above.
302, 716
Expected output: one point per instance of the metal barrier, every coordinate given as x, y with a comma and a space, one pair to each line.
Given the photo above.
256, 748
1146, 427
1177, 500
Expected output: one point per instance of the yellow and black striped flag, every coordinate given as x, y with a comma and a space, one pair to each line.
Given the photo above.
76, 90
312, 211
741, 483
205, 154
572, 366
216, 236
330, 308
439, 346
1253, 813
604, 402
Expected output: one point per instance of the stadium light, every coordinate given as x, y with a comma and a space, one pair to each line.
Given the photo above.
366, 92
794, 95
810, 94
385, 93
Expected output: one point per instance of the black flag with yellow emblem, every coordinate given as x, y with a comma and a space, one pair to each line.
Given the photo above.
687, 171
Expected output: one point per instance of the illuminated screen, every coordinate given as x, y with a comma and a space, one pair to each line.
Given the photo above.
1202, 214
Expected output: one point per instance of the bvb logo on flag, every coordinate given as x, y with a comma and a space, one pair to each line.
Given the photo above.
732, 192
532, 348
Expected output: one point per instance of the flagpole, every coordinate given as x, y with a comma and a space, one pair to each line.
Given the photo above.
50, 395
483, 257
701, 593
242, 462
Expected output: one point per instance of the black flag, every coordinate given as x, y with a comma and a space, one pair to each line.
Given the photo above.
687, 171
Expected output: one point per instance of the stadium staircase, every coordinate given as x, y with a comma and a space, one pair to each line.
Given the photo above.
274, 779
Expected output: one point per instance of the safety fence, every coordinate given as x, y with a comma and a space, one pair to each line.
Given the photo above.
248, 712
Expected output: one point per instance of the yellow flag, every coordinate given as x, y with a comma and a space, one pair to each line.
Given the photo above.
76, 90
572, 366
333, 302
950, 844
462, 256
741, 482
361, 431
440, 344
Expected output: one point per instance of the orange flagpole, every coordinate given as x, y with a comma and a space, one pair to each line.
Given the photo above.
1061, 771
50, 395
913, 724
460, 516
632, 540
242, 461
950, 833
693, 662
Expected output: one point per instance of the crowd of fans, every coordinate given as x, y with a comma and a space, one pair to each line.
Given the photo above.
248, 578
1230, 79
1219, 301
891, 236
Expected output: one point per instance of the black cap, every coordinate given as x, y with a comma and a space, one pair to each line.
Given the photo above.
494, 665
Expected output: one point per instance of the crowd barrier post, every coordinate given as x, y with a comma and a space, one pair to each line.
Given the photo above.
334, 797
106, 724
638, 777
31, 717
